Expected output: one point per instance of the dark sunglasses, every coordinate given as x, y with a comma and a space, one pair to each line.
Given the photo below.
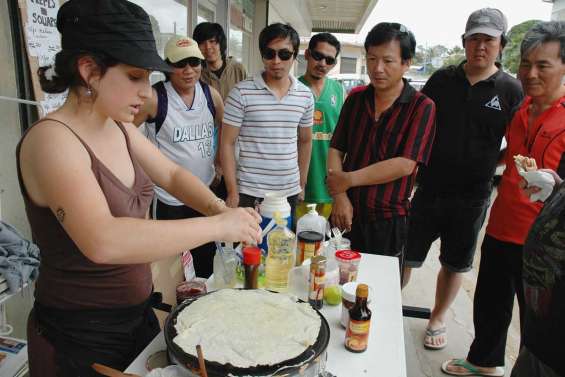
284, 54
192, 61
330, 60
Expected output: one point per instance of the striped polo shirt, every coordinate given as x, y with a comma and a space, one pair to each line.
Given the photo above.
406, 129
268, 136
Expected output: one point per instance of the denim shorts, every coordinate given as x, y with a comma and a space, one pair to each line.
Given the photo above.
454, 218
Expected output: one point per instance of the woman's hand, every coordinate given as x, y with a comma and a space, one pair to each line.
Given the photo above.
240, 225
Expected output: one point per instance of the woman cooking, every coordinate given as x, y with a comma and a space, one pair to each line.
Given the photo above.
87, 176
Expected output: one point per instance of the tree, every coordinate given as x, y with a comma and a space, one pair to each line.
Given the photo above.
419, 57
457, 50
454, 59
455, 56
427, 56
511, 53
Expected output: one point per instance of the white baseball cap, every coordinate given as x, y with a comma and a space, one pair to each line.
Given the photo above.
180, 47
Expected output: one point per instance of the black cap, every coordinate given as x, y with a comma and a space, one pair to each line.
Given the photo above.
117, 28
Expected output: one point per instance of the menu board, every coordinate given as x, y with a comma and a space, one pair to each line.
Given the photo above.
42, 41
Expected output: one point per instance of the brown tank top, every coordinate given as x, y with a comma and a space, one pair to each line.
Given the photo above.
69, 280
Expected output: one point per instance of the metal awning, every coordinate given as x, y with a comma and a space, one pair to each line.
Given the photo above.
339, 16
335, 16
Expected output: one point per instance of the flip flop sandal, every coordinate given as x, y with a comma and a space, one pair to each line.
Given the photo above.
470, 370
433, 333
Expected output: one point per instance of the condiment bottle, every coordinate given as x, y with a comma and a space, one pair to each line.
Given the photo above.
272, 203
280, 257
357, 333
251, 263
317, 281
310, 230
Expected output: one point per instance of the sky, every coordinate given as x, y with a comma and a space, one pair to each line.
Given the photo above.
443, 21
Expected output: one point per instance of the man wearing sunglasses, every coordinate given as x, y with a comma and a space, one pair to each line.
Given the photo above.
384, 132
270, 115
180, 119
321, 57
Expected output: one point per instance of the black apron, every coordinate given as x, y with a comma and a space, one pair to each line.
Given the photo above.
112, 337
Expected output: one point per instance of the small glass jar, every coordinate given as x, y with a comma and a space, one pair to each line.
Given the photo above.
348, 261
189, 289
333, 245
317, 281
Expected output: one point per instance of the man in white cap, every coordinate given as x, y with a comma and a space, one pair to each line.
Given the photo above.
474, 104
180, 120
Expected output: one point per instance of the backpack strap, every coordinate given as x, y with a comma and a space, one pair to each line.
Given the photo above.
209, 100
162, 106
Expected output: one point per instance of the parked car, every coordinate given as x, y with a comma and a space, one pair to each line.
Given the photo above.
417, 84
349, 84
351, 80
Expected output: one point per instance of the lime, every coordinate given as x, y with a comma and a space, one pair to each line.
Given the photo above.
332, 295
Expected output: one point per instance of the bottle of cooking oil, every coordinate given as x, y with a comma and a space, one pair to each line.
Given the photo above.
280, 258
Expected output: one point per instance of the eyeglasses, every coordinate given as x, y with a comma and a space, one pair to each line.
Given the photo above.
192, 61
284, 54
317, 56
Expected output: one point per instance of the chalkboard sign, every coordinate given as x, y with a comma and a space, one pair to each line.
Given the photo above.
43, 41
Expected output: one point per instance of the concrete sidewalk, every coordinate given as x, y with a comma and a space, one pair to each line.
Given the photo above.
421, 362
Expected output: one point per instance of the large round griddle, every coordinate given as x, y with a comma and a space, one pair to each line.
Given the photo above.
215, 369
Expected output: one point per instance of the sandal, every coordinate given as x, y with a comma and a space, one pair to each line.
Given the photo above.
469, 369
431, 334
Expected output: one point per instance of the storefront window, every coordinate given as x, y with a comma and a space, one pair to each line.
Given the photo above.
241, 30
348, 65
168, 17
205, 14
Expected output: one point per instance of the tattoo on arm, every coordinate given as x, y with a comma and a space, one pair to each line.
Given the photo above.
60, 213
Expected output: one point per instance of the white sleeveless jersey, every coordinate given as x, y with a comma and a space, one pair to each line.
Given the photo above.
186, 137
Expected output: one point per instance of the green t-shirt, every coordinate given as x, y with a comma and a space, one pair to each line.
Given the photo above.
326, 115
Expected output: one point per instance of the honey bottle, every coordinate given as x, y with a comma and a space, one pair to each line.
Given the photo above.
357, 333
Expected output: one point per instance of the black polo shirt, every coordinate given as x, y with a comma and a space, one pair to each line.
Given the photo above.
470, 123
